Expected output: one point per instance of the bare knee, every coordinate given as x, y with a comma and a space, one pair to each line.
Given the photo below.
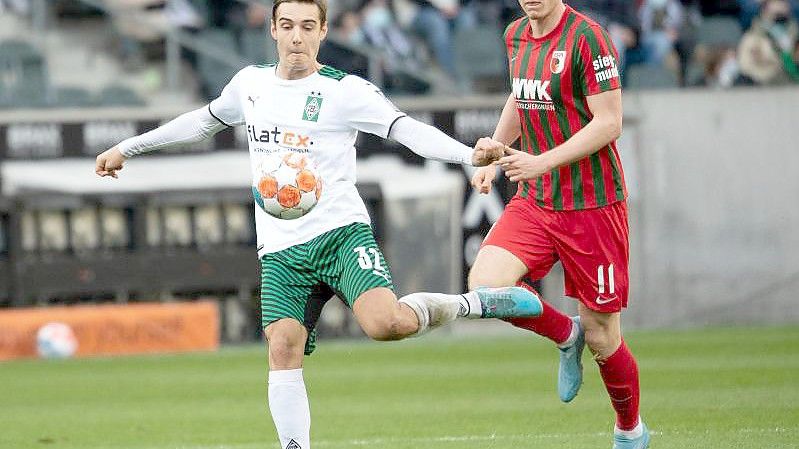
388, 327
382, 318
286, 344
602, 340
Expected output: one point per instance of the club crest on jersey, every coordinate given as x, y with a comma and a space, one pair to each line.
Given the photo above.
558, 62
312, 106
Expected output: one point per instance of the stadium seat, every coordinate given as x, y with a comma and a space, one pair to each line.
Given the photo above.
257, 48
719, 32
203, 9
30, 95
480, 58
118, 95
215, 74
13, 47
24, 79
646, 76
68, 97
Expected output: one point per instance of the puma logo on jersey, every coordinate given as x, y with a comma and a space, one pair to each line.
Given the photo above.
252, 99
535, 90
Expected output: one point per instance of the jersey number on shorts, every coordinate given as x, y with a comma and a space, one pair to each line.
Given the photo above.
600, 277
365, 261
369, 259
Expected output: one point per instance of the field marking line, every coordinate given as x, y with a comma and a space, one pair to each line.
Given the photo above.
492, 437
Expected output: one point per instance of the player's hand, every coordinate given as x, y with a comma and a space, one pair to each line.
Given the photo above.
487, 151
521, 166
109, 162
483, 178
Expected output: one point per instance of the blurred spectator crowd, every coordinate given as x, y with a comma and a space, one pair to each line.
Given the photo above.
718, 43
417, 46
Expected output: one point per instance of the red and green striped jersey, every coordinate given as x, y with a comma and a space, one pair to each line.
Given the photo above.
551, 78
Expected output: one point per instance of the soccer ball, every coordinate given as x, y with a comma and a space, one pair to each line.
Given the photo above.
56, 341
288, 185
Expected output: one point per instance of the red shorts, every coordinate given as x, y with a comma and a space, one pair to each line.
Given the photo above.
592, 245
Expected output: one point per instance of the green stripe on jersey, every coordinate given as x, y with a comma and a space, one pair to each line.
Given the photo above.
547, 128
531, 142
578, 87
596, 161
560, 115
618, 182
331, 72
596, 50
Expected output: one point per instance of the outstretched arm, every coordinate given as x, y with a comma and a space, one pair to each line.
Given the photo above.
429, 142
188, 128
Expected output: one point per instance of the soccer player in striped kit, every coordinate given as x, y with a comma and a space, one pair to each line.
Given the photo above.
570, 206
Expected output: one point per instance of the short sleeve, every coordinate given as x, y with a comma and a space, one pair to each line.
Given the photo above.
598, 62
366, 108
227, 106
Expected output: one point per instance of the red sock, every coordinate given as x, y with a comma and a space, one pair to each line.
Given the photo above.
620, 373
551, 323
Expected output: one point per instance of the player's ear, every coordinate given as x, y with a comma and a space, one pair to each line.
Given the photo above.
323, 31
273, 28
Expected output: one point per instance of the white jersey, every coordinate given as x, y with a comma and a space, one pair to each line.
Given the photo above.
278, 118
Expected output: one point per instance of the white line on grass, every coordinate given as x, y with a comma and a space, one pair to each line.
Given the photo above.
484, 438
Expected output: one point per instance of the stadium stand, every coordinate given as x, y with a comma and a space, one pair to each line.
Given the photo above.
650, 77
480, 59
674, 36
719, 31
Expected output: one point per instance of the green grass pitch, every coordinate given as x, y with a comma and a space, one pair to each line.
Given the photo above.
719, 388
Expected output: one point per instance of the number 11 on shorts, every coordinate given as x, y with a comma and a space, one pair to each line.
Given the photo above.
600, 277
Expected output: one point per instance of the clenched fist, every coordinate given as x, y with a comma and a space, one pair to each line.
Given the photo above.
487, 151
109, 162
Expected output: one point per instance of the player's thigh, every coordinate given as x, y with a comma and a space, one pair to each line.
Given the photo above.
518, 245
358, 265
362, 277
593, 246
495, 266
291, 293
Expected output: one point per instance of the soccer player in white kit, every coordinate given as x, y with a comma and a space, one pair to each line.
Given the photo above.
301, 106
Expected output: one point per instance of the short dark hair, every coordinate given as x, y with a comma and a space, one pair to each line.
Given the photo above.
321, 4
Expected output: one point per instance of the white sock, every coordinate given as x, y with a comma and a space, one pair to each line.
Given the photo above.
471, 306
433, 309
572, 337
288, 403
632, 434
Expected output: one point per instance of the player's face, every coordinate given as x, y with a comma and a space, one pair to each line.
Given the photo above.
539, 9
298, 31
